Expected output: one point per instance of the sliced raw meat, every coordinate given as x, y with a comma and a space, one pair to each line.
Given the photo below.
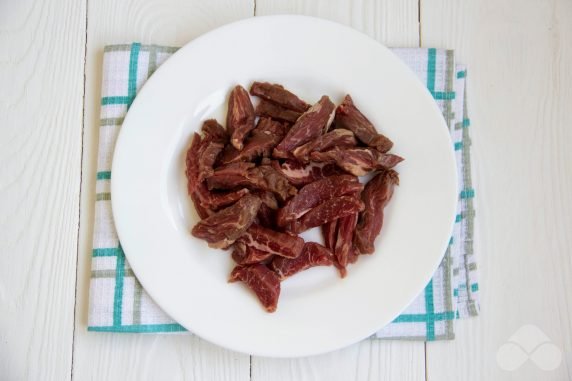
330, 210
244, 174
279, 95
310, 125
221, 229
313, 254
248, 255
232, 176
316, 193
271, 241
345, 234
274, 111
376, 195
262, 140
330, 233
349, 117
260, 279
300, 174
208, 153
339, 138
276, 183
214, 131
201, 210
192, 166
240, 116
216, 199
267, 212
357, 161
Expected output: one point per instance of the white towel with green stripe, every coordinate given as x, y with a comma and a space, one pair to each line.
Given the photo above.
118, 303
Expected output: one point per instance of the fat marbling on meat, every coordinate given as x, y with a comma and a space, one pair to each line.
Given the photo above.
262, 281
300, 174
312, 255
327, 211
274, 111
315, 193
357, 161
309, 125
222, 228
340, 138
240, 116
272, 241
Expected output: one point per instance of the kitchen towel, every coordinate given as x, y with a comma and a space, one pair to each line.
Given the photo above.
118, 303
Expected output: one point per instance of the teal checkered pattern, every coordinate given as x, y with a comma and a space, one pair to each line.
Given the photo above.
118, 303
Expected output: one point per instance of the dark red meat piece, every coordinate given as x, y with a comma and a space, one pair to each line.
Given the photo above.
214, 131
248, 255
262, 140
339, 138
216, 199
313, 254
300, 174
345, 234
357, 161
330, 233
264, 282
240, 116
221, 229
376, 195
310, 125
349, 117
267, 212
208, 153
315, 193
243, 174
330, 210
279, 95
275, 182
274, 111
271, 241
201, 210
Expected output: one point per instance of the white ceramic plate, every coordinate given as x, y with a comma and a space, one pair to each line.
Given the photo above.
317, 312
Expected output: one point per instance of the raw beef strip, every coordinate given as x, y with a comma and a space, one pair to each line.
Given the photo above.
221, 229
214, 131
248, 255
316, 193
192, 166
358, 161
208, 153
279, 95
300, 174
216, 199
346, 228
262, 281
276, 182
330, 210
313, 254
201, 210
376, 195
349, 117
271, 241
274, 111
243, 174
262, 140
240, 116
330, 233
267, 212
310, 125
339, 138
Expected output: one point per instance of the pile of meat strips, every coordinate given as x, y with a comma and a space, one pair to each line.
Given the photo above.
281, 169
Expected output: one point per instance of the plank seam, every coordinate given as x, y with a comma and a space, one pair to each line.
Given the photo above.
80, 191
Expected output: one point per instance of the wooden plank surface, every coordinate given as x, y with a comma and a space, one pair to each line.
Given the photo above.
519, 55
41, 89
394, 23
131, 356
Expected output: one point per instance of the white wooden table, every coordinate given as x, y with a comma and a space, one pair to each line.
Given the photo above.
519, 54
